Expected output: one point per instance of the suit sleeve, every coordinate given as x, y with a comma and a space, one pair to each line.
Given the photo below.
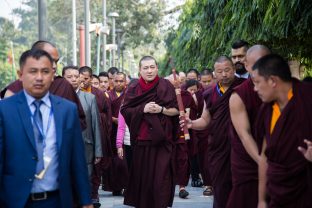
1, 150
79, 164
96, 129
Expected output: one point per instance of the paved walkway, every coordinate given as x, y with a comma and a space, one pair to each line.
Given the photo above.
195, 199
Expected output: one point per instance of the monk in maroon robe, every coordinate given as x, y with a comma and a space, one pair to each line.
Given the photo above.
244, 107
185, 149
285, 176
150, 111
202, 143
115, 177
216, 117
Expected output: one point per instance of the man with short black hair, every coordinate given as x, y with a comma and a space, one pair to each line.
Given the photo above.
104, 82
150, 111
238, 55
206, 77
58, 87
192, 74
41, 147
286, 119
111, 74
115, 177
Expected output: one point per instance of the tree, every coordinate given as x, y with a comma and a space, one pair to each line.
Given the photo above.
208, 28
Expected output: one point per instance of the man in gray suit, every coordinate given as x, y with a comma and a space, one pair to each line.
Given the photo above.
91, 135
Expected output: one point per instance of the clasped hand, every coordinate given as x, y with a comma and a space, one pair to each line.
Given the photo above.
152, 107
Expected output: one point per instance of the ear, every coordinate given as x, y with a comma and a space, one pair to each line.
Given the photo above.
19, 74
273, 80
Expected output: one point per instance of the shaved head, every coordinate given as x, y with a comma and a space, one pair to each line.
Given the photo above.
253, 54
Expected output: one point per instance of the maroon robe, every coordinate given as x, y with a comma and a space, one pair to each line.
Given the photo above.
185, 149
202, 142
60, 87
244, 168
103, 104
219, 147
151, 173
115, 177
289, 174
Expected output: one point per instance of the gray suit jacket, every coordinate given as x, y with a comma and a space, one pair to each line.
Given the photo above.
91, 135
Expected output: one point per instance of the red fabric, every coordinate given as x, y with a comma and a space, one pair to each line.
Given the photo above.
143, 135
145, 86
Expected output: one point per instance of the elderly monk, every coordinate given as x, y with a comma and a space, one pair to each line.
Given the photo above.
285, 177
150, 111
244, 107
216, 116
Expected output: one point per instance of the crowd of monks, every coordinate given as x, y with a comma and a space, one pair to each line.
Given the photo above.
249, 121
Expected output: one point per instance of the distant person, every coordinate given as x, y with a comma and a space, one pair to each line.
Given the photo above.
192, 74
111, 74
41, 147
182, 77
104, 81
85, 74
238, 55
115, 178
186, 149
206, 78
95, 82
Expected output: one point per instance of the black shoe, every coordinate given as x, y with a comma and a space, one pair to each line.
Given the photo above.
117, 193
183, 194
96, 203
197, 183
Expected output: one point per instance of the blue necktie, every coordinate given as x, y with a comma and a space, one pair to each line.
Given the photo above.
38, 128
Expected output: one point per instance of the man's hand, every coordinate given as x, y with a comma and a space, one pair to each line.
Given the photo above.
115, 120
189, 122
97, 160
152, 107
88, 206
120, 152
307, 153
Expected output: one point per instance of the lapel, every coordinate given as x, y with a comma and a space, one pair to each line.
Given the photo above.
58, 119
25, 115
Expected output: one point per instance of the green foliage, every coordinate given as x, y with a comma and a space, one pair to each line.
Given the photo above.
137, 19
7, 74
208, 28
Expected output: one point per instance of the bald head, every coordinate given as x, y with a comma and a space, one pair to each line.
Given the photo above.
253, 54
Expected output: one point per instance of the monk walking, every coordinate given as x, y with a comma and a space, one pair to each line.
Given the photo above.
150, 111
285, 177
244, 107
216, 116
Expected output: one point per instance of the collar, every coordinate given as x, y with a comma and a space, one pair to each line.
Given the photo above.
45, 99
